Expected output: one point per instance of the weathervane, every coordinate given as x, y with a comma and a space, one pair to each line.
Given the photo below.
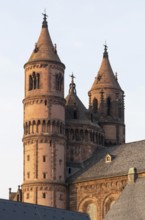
44, 24
44, 14
105, 47
105, 50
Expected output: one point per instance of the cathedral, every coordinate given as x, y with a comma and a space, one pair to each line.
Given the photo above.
76, 158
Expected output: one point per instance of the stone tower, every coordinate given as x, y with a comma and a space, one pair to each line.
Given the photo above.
106, 101
44, 119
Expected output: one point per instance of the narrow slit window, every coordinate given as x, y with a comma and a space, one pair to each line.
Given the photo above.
44, 175
44, 158
43, 195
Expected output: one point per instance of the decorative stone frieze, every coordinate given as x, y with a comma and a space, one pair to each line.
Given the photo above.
101, 192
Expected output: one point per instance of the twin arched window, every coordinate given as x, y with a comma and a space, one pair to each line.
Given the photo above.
34, 81
91, 208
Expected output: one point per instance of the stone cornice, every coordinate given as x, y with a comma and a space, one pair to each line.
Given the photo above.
43, 183
42, 98
44, 64
125, 176
30, 139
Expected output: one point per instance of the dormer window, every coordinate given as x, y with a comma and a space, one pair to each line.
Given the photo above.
108, 158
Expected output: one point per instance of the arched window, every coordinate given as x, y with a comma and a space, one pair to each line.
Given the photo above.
89, 206
58, 82
34, 81
37, 81
92, 117
75, 114
108, 203
119, 110
108, 106
30, 83
95, 105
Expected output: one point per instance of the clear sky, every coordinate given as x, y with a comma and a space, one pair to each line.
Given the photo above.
80, 28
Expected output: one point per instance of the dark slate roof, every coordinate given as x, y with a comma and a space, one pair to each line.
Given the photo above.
73, 101
131, 203
123, 157
74, 104
22, 211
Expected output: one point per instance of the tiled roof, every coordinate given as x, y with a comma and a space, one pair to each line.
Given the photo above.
44, 49
123, 157
105, 77
22, 211
131, 203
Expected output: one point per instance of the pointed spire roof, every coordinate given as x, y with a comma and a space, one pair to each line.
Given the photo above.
44, 49
105, 76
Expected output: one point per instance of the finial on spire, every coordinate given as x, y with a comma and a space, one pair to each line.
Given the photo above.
44, 24
105, 54
72, 86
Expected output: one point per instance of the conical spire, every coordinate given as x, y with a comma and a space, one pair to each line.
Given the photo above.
105, 77
44, 49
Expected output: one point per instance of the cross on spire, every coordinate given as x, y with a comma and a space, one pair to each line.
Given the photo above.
44, 14
72, 86
72, 78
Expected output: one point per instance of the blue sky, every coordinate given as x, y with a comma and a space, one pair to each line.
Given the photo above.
79, 28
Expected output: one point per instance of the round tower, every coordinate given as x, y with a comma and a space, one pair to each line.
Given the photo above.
106, 101
44, 119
